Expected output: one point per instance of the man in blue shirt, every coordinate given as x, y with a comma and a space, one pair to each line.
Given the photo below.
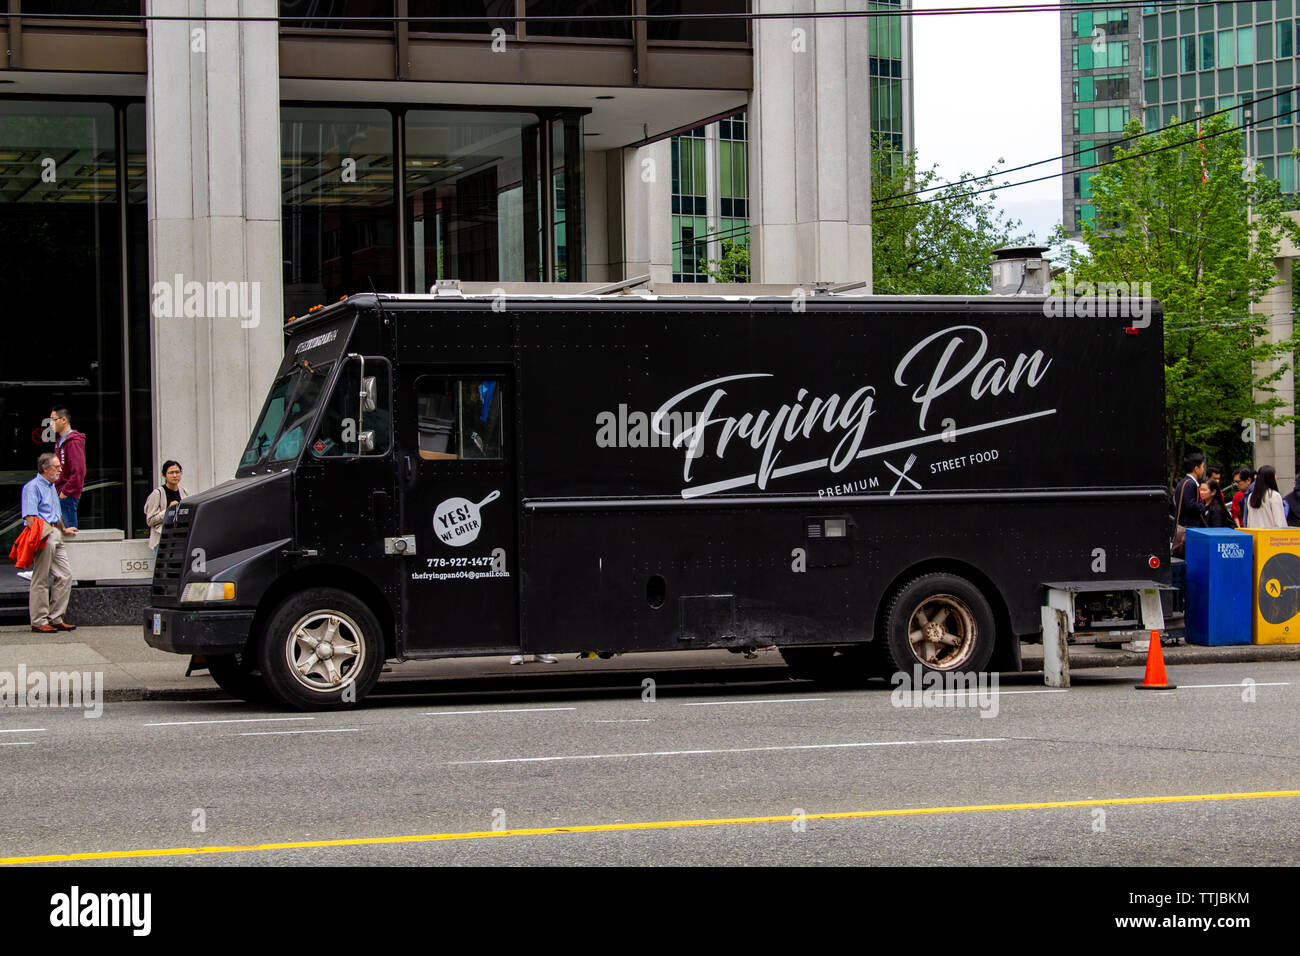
48, 604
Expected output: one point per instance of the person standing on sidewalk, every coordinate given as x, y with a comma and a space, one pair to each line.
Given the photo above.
70, 445
162, 499
1264, 506
47, 604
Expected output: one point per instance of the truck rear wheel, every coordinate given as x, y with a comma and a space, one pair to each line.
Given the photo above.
322, 649
940, 621
234, 674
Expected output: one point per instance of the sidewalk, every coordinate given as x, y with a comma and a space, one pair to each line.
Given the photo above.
134, 671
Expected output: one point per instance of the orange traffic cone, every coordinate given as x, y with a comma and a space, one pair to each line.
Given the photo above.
1155, 678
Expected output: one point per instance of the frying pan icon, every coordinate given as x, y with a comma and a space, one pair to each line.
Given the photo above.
457, 521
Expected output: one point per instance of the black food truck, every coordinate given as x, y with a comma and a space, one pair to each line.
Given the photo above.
870, 484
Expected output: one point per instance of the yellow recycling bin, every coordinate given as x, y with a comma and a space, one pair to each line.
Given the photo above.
1276, 600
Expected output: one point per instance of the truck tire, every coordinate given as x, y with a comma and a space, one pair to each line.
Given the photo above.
234, 674
321, 649
940, 621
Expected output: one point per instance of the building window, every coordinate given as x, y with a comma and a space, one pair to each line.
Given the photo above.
572, 26
1111, 86
126, 9
1227, 48
60, 192
1246, 45
1150, 59
690, 207
1284, 37
328, 14
337, 209
1189, 54
704, 30
1207, 51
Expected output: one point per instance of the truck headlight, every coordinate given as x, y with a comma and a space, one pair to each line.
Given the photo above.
208, 591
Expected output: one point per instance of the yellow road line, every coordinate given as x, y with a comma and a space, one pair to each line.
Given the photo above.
648, 825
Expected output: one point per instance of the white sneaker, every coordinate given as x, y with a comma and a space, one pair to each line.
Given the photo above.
517, 659
545, 659
25, 574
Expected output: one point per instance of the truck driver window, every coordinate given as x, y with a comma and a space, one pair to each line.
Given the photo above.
344, 420
458, 418
278, 435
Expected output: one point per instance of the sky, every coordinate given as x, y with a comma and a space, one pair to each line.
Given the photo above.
988, 87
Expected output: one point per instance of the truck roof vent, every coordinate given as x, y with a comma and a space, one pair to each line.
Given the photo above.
446, 287
1020, 270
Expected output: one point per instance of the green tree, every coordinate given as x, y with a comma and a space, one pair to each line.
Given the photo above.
1177, 212
934, 243
734, 264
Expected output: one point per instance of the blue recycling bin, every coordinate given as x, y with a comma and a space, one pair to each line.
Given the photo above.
1219, 586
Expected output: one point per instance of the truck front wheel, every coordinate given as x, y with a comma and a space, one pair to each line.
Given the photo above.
940, 621
322, 649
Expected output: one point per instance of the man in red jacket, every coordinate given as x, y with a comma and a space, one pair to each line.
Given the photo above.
70, 445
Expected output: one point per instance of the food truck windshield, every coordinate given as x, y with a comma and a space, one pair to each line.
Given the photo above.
280, 433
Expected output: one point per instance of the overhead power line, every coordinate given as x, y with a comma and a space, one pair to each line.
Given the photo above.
888, 204
1079, 152
749, 17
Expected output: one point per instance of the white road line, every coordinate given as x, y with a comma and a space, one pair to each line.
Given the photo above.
736, 750
282, 733
624, 720
233, 720
990, 693
1239, 685
789, 700
517, 710
18, 743
25, 730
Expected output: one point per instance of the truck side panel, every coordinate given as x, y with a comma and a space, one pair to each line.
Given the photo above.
780, 472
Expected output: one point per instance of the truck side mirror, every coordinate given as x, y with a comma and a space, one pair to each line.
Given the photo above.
369, 392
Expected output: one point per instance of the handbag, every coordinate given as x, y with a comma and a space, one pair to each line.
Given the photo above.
1178, 548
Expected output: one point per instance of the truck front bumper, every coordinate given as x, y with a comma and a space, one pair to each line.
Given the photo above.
197, 631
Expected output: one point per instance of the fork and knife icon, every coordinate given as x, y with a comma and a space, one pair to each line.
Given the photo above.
903, 475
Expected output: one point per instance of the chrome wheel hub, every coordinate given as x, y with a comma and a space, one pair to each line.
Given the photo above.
325, 650
942, 632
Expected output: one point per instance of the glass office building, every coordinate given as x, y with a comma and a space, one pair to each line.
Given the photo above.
409, 151
1160, 64
710, 202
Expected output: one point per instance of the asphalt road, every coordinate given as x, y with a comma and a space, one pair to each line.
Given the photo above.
455, 780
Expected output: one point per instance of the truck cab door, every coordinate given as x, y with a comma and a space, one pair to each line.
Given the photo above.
345, 482
460, 584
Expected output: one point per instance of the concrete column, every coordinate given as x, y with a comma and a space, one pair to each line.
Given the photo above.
212, 104
647, 212
810, 170
1278, 449
713, 192
600, 253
